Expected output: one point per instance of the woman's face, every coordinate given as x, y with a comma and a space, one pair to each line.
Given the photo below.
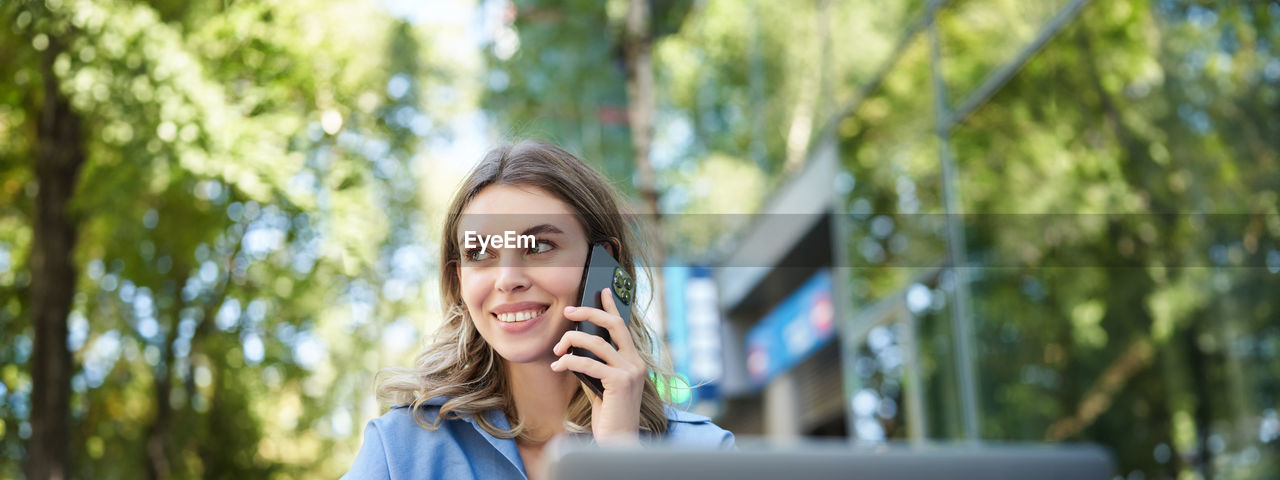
516, 295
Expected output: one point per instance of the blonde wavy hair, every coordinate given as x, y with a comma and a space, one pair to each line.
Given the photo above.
458, 363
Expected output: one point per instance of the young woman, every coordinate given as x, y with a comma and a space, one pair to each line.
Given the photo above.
497, 382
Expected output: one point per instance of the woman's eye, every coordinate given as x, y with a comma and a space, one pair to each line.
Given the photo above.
475, 255
542, 246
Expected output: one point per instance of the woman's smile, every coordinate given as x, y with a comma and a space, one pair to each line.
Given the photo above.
518, 317
517, 312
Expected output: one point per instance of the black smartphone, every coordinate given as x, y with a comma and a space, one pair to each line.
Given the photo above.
602, 271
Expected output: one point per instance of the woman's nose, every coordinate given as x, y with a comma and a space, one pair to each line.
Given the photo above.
511, 277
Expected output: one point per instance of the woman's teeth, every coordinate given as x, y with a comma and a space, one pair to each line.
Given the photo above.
519, 316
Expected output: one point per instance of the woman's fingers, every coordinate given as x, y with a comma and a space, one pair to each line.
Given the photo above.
607, 319
584, 365
618, 328
592, 343
606, 301
616, 381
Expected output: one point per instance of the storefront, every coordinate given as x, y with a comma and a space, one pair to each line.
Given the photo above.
782, 305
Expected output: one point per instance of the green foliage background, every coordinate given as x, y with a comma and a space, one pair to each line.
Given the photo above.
259, 209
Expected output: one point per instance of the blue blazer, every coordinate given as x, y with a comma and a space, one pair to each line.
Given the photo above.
396, 447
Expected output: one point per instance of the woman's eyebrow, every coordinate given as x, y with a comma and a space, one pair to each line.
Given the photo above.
541, 229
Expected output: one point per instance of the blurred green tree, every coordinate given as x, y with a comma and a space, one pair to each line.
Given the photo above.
1121, 212
231, 154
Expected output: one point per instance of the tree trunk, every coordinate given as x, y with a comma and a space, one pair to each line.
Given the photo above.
159, 465
1204, 392
60, 154
637, 43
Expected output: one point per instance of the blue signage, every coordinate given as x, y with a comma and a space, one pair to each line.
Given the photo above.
797, 327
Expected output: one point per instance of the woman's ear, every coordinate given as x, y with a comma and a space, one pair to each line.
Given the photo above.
613, 246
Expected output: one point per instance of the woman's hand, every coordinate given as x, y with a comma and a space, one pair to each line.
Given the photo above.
615, 418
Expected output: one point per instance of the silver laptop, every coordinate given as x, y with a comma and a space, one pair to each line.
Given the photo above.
576, 460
